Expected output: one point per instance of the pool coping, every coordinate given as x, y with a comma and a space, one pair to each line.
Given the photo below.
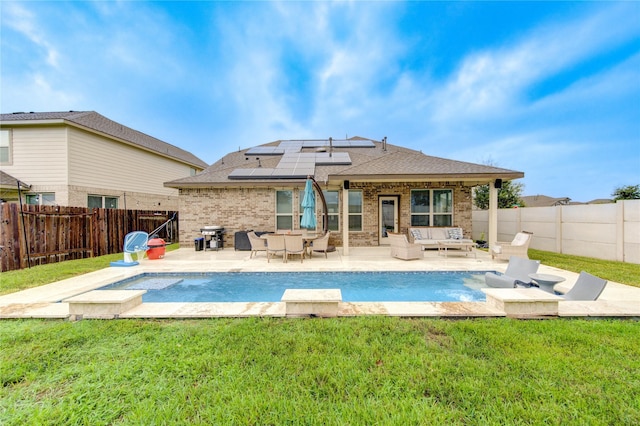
617, 300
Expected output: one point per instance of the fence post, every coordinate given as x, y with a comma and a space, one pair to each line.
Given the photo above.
620, 231
559, 229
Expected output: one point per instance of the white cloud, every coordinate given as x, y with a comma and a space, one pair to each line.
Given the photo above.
25, 22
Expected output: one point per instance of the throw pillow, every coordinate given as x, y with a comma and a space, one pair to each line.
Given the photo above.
417, 235
455, 233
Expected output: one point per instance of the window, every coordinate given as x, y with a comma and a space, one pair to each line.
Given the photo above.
41, 199
333, 209
442, 207
284, 210
5, 146
355, 210
431, 207
420, 207
102, 202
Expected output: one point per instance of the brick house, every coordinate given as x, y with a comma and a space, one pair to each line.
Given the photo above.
370, 187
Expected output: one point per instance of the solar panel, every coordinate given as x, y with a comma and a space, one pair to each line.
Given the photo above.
265, 150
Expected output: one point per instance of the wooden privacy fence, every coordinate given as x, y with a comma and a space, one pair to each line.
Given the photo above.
49, 234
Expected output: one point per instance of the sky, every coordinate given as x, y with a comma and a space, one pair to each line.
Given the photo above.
551, 89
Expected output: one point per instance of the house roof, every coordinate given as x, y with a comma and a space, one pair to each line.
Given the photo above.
369, 161
94, 122
9, 182
544, 201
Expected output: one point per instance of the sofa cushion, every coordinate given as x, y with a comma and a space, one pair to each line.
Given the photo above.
439, 234
520, 239
455, 233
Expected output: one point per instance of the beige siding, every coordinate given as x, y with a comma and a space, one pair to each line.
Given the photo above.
101, 163
39, 156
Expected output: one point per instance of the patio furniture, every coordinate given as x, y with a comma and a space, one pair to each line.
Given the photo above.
517, 272
401, 248
518, 247
293, 244
257, 244
461, 245
546, 282
321, 245
429, 236
587, 287
275, 245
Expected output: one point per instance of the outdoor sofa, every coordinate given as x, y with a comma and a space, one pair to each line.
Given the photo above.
429, 236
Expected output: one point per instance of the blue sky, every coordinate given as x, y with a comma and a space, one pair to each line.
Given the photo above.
548, 88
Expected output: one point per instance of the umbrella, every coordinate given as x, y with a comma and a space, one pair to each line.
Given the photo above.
308, 205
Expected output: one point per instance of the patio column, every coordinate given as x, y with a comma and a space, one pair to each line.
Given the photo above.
493, 214
345, 222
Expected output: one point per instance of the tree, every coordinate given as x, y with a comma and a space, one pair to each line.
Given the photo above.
508, 196
629, 192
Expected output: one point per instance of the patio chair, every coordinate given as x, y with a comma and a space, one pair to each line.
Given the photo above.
518, 247
587, 287
275, 245
257, 244
294, 244
517, 272
401, 248
320, 245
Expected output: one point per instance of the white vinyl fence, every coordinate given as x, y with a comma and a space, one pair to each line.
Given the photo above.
601, 231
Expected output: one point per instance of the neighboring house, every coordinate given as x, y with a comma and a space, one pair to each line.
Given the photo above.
81, 158
10, 188
544, 201
370, 188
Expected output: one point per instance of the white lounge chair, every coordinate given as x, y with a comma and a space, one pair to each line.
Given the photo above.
401, 248
587, 287
517, 272
518, 247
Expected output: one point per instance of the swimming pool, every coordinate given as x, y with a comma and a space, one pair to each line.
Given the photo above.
269, 286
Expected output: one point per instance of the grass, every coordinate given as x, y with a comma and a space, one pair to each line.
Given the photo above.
356, 371
35, 276
621, 272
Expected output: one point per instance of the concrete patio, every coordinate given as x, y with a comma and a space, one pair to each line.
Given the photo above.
50, 301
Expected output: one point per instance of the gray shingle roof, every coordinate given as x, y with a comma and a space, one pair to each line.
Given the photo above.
93, 121
394, 163
8, 181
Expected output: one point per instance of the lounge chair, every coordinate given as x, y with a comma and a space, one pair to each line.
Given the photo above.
275, 245
321, 245
294, 244
401, 248
517, 272
587, 287
257, 244
518, 247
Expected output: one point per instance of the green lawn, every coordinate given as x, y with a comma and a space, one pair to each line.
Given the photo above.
343, 371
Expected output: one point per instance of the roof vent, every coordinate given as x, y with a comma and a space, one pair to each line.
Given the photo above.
321, 149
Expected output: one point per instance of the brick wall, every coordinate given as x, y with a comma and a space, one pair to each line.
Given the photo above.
240, 209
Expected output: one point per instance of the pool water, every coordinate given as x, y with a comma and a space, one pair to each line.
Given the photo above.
269, 286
